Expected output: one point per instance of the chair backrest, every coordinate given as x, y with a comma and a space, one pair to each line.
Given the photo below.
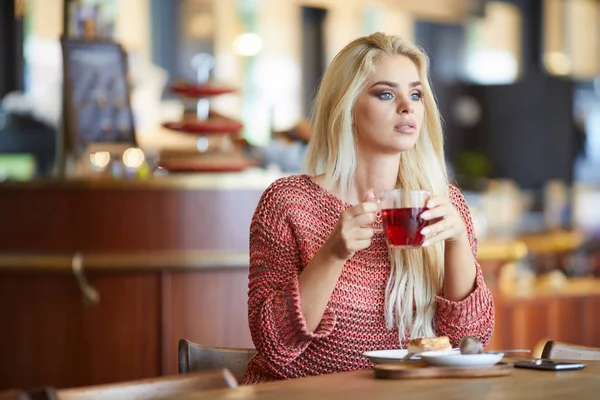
567, 351
154, 388
40, 393
194, 357
14, 394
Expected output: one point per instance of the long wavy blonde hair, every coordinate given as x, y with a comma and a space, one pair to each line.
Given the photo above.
416, 276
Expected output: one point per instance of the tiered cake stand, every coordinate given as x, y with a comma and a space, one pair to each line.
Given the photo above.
215, 150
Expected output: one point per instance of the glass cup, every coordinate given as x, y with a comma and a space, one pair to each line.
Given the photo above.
400, 217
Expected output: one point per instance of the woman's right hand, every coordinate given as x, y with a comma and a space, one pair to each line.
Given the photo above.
317, 280
353, 231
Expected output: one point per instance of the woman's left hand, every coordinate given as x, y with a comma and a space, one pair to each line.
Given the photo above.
446, 223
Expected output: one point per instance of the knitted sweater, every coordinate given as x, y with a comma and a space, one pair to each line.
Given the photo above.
293, 219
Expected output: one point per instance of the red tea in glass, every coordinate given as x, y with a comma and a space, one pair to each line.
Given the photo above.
402, 226
401, 211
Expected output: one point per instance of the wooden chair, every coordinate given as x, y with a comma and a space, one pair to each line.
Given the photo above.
567, 351
14, 394
194, 357
150, 389
41, 393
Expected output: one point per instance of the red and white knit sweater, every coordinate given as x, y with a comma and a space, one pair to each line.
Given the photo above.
293, 219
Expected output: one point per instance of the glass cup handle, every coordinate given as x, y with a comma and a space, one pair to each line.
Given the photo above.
377, 226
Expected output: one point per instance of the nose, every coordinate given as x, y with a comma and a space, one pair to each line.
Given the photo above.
405, 106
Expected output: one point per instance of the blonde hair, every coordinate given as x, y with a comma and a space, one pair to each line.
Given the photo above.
416, 276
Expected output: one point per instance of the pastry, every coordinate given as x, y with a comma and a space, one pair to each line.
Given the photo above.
420, 345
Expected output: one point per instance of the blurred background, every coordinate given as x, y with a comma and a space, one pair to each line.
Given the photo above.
136, 137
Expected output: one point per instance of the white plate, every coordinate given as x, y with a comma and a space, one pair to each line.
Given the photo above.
385, 356
455, 359
390, 356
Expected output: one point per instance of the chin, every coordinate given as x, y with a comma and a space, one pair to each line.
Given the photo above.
404, 143
390, 147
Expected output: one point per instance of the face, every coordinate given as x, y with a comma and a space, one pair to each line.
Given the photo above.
388, 113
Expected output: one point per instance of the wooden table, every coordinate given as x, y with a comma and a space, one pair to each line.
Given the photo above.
521, 384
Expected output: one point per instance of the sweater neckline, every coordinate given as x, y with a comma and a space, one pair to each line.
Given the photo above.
324, 192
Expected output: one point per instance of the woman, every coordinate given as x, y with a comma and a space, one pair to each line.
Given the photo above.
323, 288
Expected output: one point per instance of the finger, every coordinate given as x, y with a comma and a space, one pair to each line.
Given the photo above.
439, 211
443, 235
351, 234
435, 228
348, 214
370, 196
435, 201
363, 219
361, 244
367, 207
363, 233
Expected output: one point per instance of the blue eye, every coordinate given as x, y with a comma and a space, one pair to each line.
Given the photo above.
417, 96
385, 96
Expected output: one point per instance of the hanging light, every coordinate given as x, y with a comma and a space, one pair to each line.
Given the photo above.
133, 157
100, 159
248, 44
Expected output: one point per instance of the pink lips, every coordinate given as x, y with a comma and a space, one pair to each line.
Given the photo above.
406, 127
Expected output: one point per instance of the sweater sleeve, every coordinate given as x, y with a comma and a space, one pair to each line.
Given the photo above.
474, 315
277, 325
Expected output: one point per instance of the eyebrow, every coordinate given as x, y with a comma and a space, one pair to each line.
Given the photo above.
395, 85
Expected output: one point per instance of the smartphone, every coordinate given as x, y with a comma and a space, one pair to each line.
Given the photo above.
548, 365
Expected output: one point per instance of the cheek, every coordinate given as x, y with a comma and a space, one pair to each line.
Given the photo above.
368, 110
368, 116
372, 124
420, 114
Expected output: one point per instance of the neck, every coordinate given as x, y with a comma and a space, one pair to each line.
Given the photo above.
378, 173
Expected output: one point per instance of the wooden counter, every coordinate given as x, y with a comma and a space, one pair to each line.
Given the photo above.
51, 336
162, 260
528, 321
64, 218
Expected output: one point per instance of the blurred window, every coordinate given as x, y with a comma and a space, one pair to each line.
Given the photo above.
493, 48
572, 38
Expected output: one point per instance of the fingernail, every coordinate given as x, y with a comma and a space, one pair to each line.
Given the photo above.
425, 215
430, 204
425, 243
424, 231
